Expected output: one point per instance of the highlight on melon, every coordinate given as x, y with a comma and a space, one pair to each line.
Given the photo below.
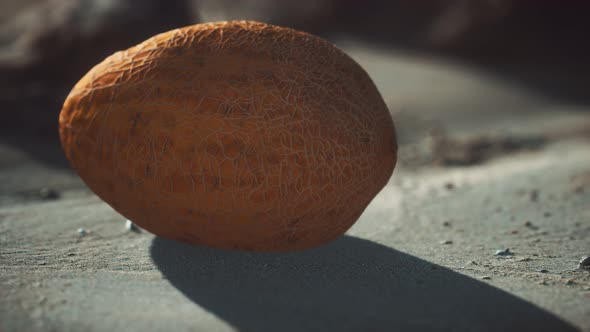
235, 135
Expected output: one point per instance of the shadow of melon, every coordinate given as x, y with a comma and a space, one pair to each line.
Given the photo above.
350, 284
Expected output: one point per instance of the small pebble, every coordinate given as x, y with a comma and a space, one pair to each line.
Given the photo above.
42, 299
504, 252
534, 195
543, 270
446, 242
48, 193
447, 223
130, 226
450, 185
42, 263
82, 231
584, 263
543, 282
486, 278
547, 214
570, 282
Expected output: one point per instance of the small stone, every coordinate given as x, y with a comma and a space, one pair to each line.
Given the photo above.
584, 263
547, 214
48, 193
514, 231
543, 282
82, 231
543, 270
570, 282
579, 189
504, 252
449, 185
130, 226
534, 195
486, 278
446, 242
42, 299
71, 254
447, 223
42, 263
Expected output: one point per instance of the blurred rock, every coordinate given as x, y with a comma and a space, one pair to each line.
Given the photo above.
47, 47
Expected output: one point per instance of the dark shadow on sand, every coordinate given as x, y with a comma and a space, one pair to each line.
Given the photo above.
350, 284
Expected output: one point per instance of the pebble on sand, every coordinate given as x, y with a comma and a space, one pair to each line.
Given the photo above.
130, 226
504, 252
82, 231
449, 185
584, 263
48, 193
534, 195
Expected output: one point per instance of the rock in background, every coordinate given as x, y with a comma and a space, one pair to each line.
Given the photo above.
46, 47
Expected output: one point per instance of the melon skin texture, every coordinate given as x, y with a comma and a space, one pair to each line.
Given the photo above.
234, 135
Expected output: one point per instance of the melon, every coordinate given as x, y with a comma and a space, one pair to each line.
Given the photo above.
235, 135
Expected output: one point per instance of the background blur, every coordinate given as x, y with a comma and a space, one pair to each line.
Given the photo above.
46, 46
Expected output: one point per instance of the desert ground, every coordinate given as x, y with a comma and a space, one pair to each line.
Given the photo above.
480, 228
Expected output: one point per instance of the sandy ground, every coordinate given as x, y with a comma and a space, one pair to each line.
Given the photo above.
422, 256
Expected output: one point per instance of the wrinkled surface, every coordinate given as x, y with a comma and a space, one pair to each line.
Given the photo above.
235, 135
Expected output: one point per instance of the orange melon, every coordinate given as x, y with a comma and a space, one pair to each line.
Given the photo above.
234, 135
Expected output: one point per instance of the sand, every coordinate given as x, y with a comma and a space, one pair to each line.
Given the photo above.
421, 257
